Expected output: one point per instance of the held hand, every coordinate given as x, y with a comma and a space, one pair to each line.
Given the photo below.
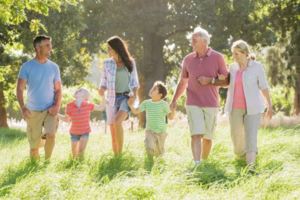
53, 110
204, 80
25, 113
131, 101
221, 77
101, 92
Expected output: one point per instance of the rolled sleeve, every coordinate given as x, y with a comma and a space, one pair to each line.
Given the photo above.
134, 80
103, 81
262, 79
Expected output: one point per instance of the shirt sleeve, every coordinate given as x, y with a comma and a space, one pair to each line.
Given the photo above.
103, 81
262, 79
143, 106
67, 110
166, 108
134, 80
184, 72
57, 74
23, 74
92, 106
222, 66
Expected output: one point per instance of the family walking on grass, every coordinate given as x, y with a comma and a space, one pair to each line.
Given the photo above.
203, 72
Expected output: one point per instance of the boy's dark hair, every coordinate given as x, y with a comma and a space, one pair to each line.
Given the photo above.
38, 39
161, 88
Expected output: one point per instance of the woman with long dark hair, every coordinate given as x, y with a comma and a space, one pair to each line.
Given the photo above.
120, 81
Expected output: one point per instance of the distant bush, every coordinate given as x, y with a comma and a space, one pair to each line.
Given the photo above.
282, 99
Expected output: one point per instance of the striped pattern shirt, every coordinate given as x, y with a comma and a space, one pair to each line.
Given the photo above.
156, 113
80, 117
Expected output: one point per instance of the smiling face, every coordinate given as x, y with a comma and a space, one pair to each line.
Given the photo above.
197, 42
44, 48
154, 93
238, 55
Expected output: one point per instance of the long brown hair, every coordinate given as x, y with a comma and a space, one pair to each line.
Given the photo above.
119, 46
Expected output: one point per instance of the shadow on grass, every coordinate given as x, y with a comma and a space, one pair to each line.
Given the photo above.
13, 174
110, 166
8, 136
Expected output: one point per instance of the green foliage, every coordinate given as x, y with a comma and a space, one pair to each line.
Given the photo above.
282, 99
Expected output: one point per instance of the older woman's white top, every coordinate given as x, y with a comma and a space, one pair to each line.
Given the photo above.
254, 80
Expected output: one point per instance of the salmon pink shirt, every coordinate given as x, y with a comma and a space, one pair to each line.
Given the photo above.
80, 117
239, 99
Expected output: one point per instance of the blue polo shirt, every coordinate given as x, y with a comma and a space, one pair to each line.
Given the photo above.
40, 83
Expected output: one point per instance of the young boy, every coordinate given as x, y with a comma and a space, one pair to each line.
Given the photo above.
156, 112
78, 112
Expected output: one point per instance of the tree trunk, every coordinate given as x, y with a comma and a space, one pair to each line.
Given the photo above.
153, 68
3, 115
297, 98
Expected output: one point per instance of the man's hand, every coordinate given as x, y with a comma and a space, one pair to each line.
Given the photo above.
53, 110
25, 112
204, 80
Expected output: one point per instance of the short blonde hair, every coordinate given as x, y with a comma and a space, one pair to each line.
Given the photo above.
243, 47
82, 92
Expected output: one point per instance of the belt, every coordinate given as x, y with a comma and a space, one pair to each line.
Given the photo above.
122, 93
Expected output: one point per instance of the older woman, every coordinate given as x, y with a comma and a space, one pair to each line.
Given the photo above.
120, 80
248, 85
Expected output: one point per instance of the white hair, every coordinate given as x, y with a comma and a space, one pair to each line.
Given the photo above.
203, 34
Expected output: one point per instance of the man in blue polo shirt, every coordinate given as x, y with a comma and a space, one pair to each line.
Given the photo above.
41, 77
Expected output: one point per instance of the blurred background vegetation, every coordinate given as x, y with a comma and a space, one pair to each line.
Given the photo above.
156, 32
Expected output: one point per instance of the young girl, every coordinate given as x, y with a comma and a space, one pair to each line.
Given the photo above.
78, 113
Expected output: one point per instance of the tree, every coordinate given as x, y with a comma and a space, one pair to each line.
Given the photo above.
12, 13
150, 26
283, 58
20, 22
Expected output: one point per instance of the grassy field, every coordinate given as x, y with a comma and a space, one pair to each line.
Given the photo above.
131, 176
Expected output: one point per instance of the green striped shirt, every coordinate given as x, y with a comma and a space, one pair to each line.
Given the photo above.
156, 113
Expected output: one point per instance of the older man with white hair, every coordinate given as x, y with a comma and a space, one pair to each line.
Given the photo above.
198, 76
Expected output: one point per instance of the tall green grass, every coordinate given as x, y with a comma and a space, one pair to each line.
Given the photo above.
133, 176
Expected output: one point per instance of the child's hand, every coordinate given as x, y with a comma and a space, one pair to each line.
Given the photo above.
64, 118
221, 77
131, 102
